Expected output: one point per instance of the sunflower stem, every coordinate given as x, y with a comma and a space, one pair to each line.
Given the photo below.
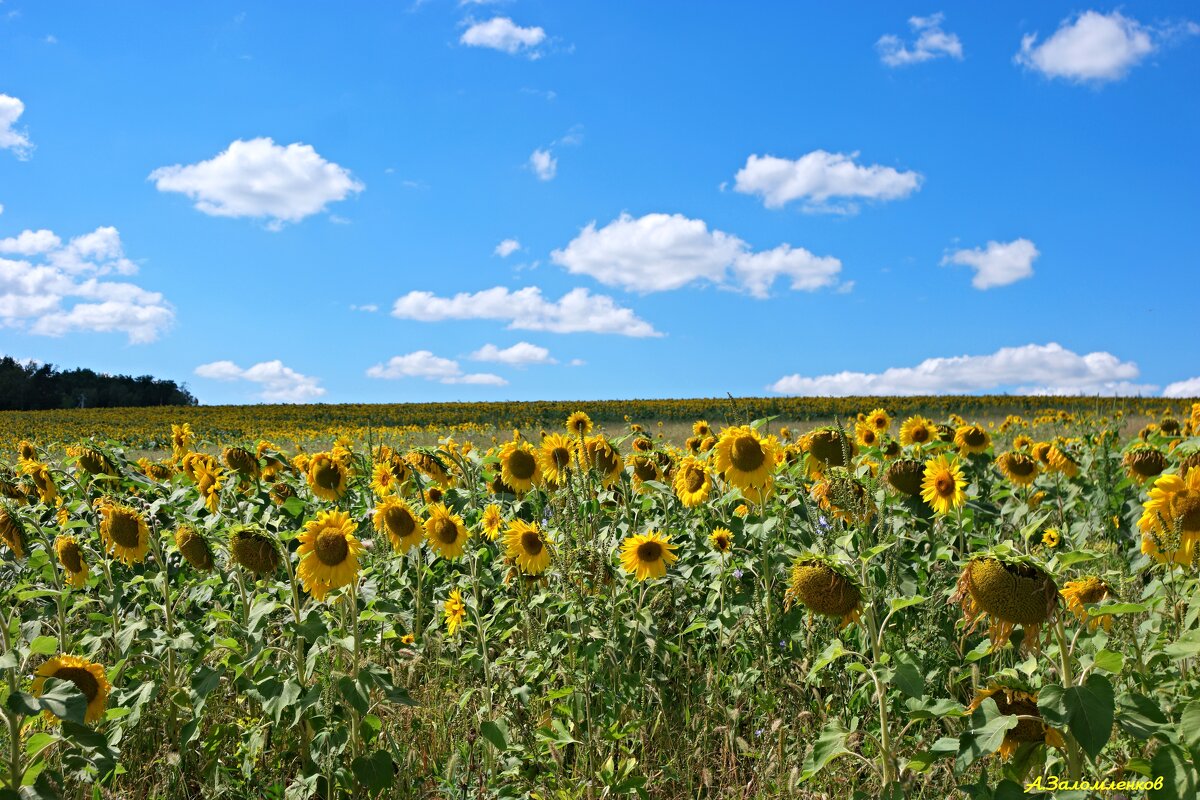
1074, 759
16, 771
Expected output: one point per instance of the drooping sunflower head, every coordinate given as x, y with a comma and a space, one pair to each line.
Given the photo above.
12, 531
1062, 459
70, 556
455, 611
26, 451
1019, 467
194, 548
253, 549
182, 437
604, 458
1041, 451
1170, 426
43, 480
879, 420
241, 461
124, 531
721, 540
1009, 592
745, 459
644, 469
943, 486
1018, 701
830, 446
281, 492
88, 677
647, 555
431, 465
519, 466
917, 431
692, 482
824, 587
844, 496
154, 470
579, 424
643, 444
91, 460
394, 518
1086, 591
328, 553
905, 475
1144, 462
327, 476
445, 531
971, 439
528, 546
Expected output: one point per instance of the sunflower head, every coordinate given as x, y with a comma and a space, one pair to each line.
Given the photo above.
528, 546
26, 451
579, 424
905, 476
445, 531
194, 548
917, 431
91, 460
721, 540
943, 486
971, 439
70, 556
830, 446
88, 677
12, 531
455, 611
253, 549
1144, 462
1019, 467
647, 555
241, 461
328, 553
394, 518
1009, 592
327, 476
844, 496
879, 420
745, 459
519, 466
1170, 426
1084, 592
692, 482
603, 457
1013, 699
124, 531
281, 492
825, 588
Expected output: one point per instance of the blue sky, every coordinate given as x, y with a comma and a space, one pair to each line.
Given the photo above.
299, 203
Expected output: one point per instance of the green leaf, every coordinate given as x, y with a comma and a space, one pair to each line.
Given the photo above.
923, 708
829, 745
942, 748
831, 653
1139, 716
1189, 730
375, 772
496, 732
44, 645
1118, 608
355, 694
1087, 710
986, 735
907, 676
60, 698
1179, 778
897, 603
1110, 661
1188, 646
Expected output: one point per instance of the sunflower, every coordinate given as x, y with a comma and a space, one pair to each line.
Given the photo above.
1020, 468
194, 461
242, 461
1009, 593
328, 553
1022, 442
644, 469
1019, 703
1144, 462
43, 481
154, 470
721, 540
647, 555
70, 556
1169, 426
1051, 537
26, 451
905, 476
745, 459
943, 485
1083, 592
1170, 521
91, 460
579, 424
88, 677
701, 428
1041, 451
1061, 459
525, 544
429, 465
603, 457
281, 492
555, 456
830, 446
492, 522
327, 477
867, 435
445, 532
394, 518
456, 612
124, 531
917, 431
519, 466
692, 482
273, 460
253, 549
844, 496
879, 420
182, 437
194, 548
971, 439
824, 589
209, 480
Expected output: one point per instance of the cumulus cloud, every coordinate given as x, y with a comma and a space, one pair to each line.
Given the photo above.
280, 384
52, 288
521, 354
501, 33
1048, 369
1185, 388
258, 178
660, 252
931, 42
11, 110
819, 177
507, 247
577, 311
1097, 48
998, 264
424, 364
544, 164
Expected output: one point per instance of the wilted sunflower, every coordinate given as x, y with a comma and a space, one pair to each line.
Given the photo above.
917, 431
88, 677
844, 496
281, 492
644, 469
824, 589
455, 611
1078, 594
1144, 462
1021, 469
194, 547
721, 540
519, 466
445, 531
1019, 703
154, 470
26, 451
579, 424
91, 460
1061, 459
528, 546
830, 446
1169, 426
242, 461
1009, 593
647, 555
943, 485
43, 481
328, 553
327, 477
429, 465
209, 480
905, 475
604, 458
70, 556
692, 482
971, 439
879, 420
124, 531
394, 518
253, 549
745, 459
1170, 521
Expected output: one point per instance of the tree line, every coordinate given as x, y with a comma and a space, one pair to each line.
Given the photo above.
30, 386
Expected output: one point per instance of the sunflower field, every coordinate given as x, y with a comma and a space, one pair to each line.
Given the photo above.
903, 603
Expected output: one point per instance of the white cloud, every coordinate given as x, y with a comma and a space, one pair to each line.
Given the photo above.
577, 362
660, 252
820, 176
11, 110
999, 264
501, 33
1187, 388
258, 178
521, 354
1030, 369
370, 308
280, 384
507, 247
543, 164
1094, 47
56, 288
577, 311
424, 364
932, 42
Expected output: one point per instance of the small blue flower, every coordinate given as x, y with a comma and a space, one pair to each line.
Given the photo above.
737, 574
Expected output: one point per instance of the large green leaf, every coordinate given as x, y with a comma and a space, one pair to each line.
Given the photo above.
1087, 710
829, 745
375, 772
985, 735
